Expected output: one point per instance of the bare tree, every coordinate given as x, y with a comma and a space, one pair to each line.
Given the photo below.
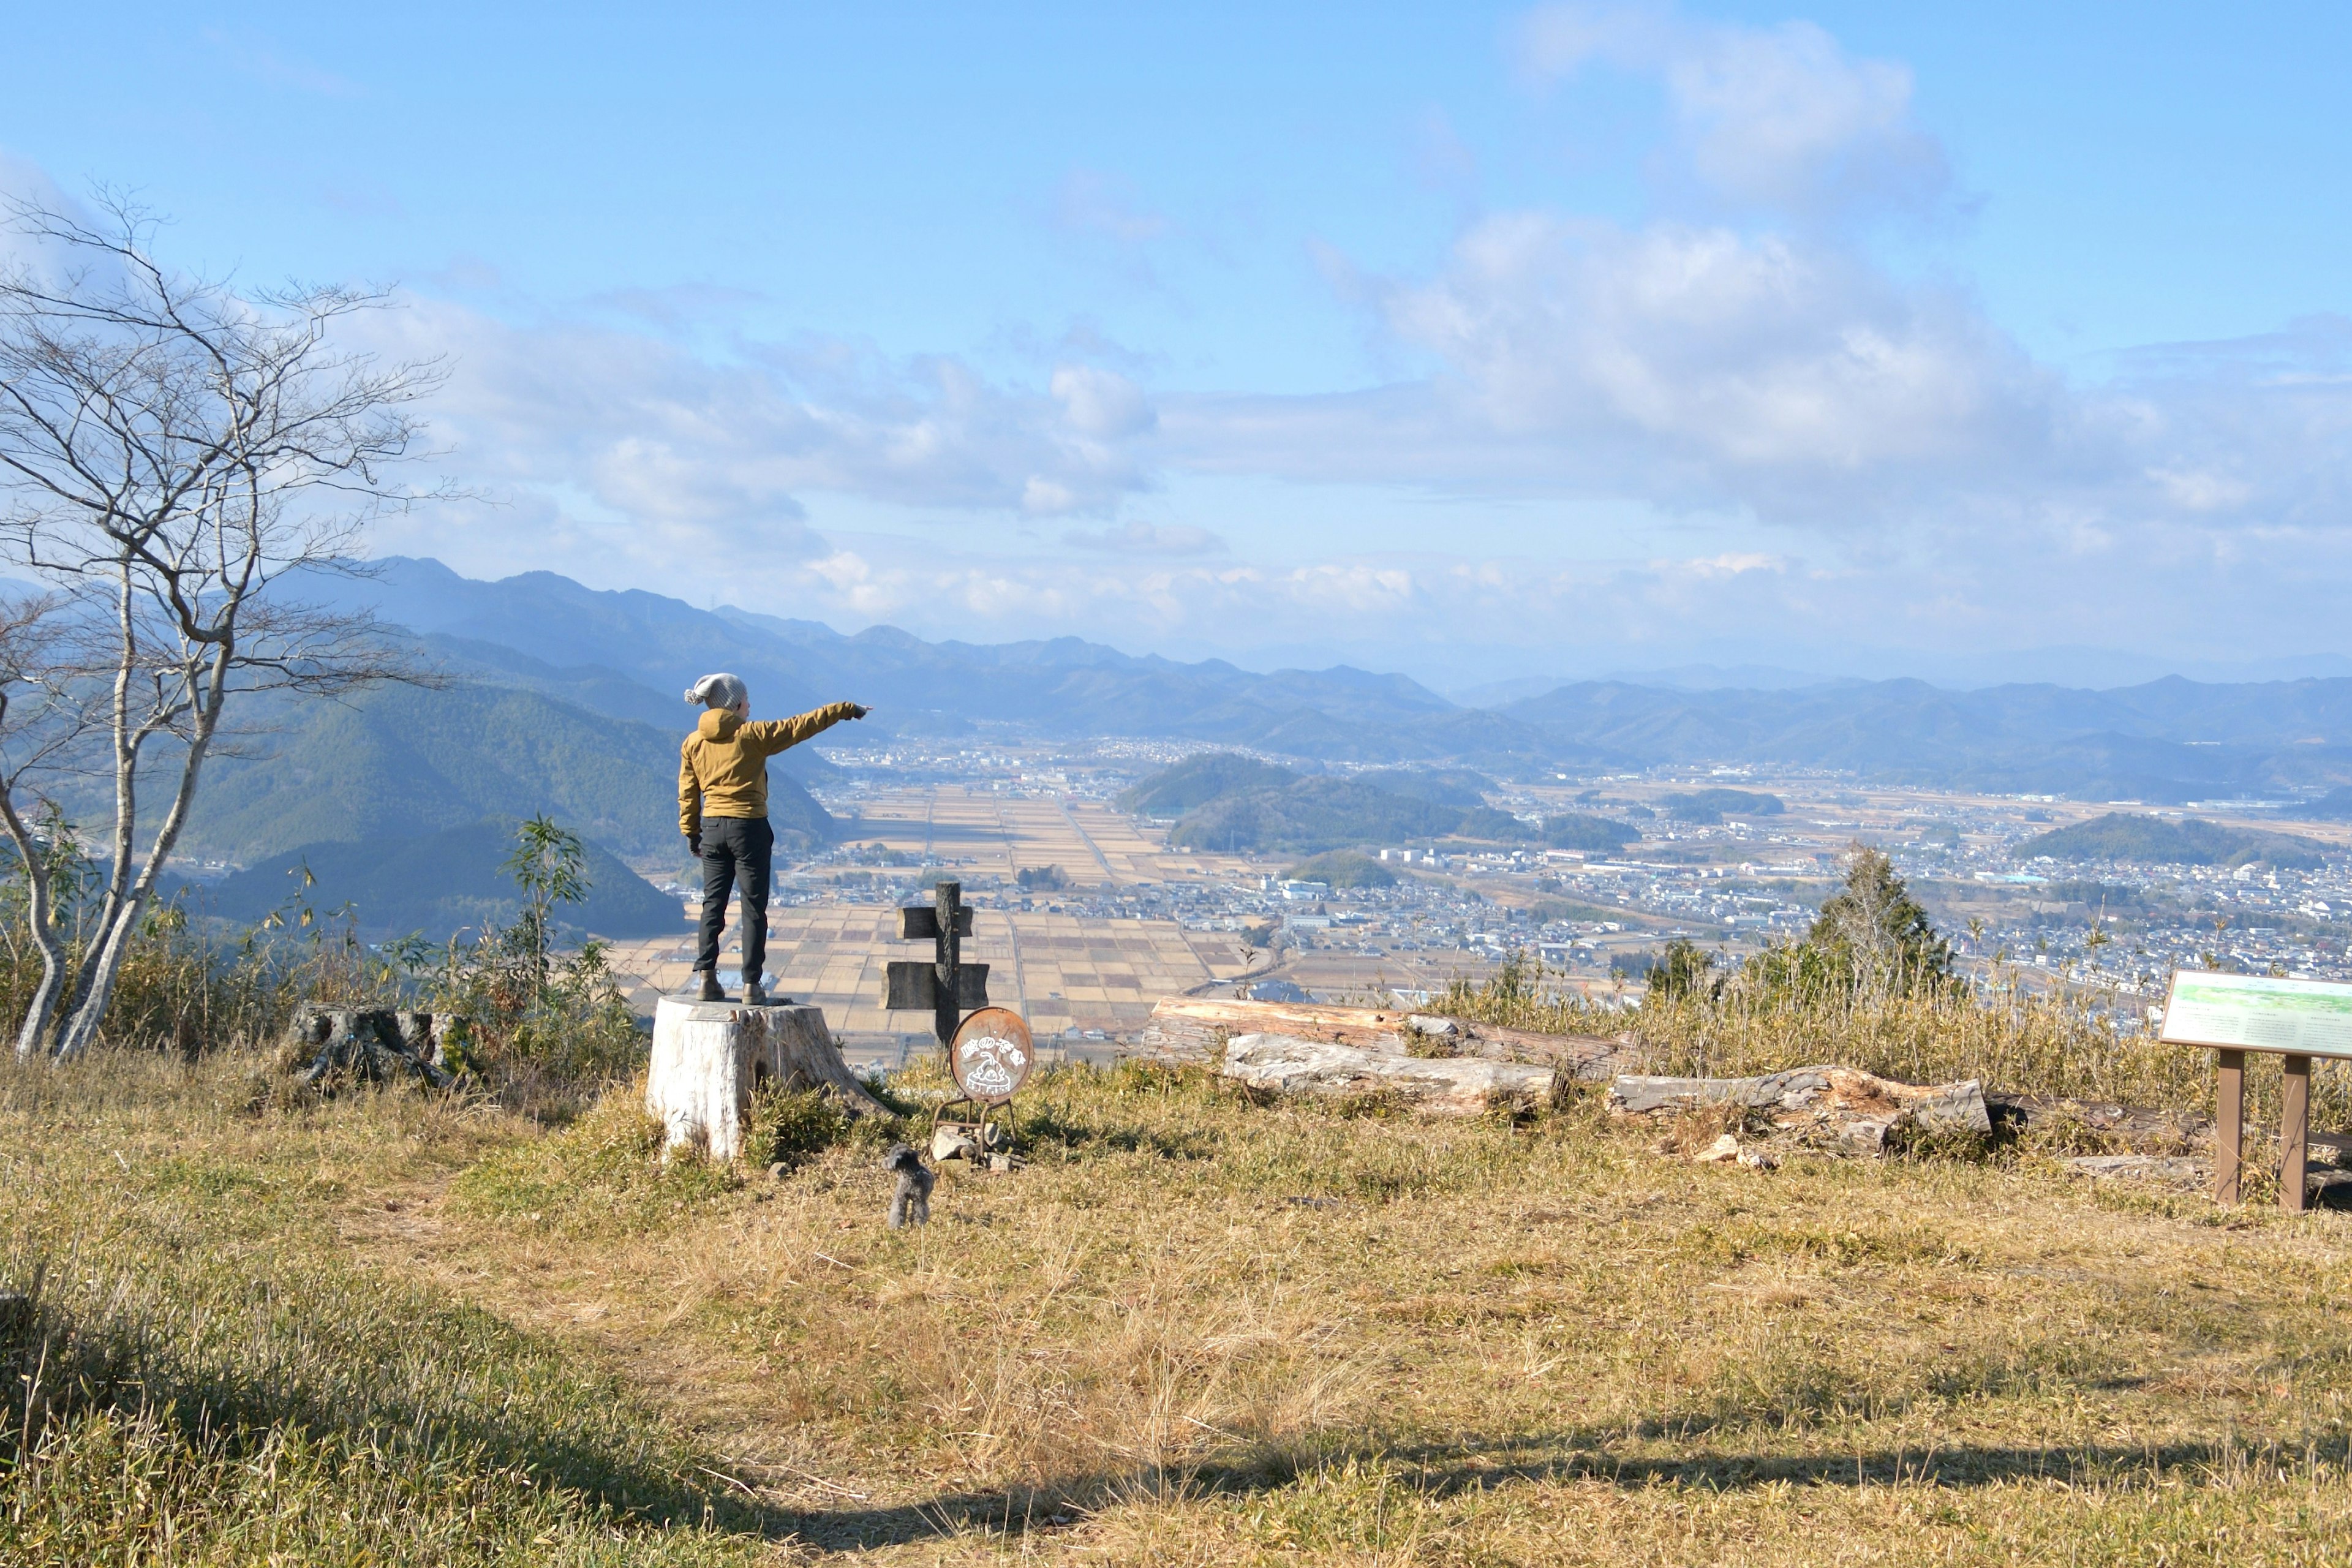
171, 450
47, 666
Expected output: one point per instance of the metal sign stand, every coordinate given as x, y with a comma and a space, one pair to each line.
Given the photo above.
990, 1060
945, 987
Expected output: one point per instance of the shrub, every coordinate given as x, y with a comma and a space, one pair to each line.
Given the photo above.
791, 1127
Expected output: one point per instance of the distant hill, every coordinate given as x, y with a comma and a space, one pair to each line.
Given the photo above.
1064, 686
1311, 814
1196, 781
397, 761
1708, 805
2153, 840
2170, 740
1484, 822
2336, 806
1439, 786
1594, 835
595, 689
1234, 804
1342, 868
437, 883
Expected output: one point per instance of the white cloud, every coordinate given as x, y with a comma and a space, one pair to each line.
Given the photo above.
1751, 352
656, 441
1779, 118
1101, 403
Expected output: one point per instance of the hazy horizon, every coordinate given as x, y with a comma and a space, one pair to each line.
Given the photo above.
2076, 667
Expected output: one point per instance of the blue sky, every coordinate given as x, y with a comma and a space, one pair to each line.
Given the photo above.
1473, 341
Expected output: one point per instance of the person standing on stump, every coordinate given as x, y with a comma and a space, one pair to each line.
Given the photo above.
722, 809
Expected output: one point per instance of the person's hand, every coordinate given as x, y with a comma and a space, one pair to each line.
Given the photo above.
694, 844
859, 711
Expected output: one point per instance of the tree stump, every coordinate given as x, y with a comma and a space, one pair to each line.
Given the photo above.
711, 1057
367, 1044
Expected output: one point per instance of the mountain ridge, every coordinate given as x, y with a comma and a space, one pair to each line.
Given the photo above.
622, 651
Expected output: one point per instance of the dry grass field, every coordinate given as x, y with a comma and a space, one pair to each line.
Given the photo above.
1061, 971
1058, 971
408, 1328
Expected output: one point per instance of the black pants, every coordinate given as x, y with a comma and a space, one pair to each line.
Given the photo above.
736, 847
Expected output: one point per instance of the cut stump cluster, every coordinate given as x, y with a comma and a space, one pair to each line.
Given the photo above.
366, 1044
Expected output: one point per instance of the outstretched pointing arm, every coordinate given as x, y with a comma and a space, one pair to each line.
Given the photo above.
774, 735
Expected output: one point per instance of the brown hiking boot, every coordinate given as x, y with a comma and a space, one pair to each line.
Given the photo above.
711, 990
753, 996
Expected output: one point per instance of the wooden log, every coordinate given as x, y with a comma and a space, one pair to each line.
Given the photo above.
1187, 1028
1456, 1086
1841, 1105
2137, 1129
711, 1057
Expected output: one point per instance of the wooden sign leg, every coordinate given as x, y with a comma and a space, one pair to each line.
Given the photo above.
2229, 1124
2294, 1132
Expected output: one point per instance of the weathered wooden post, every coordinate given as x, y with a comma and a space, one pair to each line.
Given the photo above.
947, 985
2229, 1124
711, 1057
2294, 1132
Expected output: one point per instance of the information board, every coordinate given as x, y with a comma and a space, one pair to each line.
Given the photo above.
2259, 1012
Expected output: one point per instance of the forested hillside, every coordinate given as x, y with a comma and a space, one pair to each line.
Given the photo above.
437, 883
397, 761
2153, 840
1234, 802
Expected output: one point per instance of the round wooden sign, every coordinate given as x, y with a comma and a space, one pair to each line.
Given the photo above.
991, 1055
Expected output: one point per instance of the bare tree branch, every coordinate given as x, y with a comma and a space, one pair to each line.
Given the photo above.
171, 452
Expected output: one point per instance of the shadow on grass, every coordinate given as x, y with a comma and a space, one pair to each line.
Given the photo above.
495, 1402
431, 1384
1439, 1470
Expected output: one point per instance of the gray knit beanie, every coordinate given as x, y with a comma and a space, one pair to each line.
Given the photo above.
718, 692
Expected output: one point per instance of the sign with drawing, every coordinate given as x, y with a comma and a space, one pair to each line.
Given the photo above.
991, 1055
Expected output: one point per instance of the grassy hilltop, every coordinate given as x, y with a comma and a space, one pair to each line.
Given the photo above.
402, 1326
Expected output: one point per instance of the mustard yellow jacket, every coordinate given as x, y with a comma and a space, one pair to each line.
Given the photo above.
723, 767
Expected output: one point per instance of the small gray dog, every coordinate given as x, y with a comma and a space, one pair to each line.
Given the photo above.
911, 1204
